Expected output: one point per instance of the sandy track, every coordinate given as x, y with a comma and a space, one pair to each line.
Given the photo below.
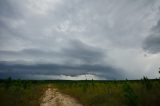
54, 98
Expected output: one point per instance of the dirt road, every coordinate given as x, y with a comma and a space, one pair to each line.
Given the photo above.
54, 98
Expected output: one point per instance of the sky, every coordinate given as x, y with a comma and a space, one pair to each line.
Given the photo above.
79, 39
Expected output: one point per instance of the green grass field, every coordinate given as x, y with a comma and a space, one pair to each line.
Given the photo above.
90, 93
20, 93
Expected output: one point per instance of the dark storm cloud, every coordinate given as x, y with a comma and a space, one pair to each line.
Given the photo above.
78, 35
8, 9
19, 70
87, 54
74, 52
152, 42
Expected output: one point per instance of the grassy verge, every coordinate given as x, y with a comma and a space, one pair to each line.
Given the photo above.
20, 93
114, 93
90, 93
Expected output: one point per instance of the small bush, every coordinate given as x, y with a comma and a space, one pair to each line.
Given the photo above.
130, 97
147, 83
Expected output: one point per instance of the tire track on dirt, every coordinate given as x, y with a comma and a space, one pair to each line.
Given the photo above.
53, 97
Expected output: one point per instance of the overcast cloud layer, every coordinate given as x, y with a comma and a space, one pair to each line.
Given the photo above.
75, 39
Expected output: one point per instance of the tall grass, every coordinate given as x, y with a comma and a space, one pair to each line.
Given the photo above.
20, 93
113, 93
144, 92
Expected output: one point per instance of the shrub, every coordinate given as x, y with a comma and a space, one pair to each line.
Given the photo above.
8, 82
146, 82
130, 97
